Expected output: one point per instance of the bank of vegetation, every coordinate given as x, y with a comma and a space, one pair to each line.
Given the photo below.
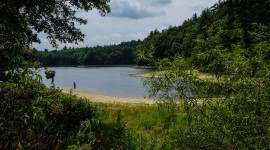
227, 110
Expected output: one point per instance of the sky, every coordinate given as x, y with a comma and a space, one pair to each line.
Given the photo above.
131, 20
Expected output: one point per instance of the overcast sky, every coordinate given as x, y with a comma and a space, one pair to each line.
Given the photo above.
132, 20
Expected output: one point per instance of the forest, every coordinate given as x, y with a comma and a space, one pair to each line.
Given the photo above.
212, 81
206, 39
121, 54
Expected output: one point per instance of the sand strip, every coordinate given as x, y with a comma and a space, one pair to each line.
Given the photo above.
93, 97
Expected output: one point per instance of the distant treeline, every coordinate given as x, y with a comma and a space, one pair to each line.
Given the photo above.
121, 54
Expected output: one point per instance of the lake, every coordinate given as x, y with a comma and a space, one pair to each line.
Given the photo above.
115, 81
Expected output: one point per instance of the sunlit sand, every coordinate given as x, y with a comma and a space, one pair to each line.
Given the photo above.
94, 97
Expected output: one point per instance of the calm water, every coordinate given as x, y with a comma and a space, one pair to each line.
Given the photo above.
114, 81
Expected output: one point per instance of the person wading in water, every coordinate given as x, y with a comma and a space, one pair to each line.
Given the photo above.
74, 85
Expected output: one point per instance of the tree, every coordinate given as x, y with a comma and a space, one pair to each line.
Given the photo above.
65, 48
21, 21
24, 123
55, 18
205, 21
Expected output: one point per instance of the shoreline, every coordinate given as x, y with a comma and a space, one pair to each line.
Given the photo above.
144, 75
85, 66
100, 98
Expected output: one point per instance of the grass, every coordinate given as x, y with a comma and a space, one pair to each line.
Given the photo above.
148, 126
141, 118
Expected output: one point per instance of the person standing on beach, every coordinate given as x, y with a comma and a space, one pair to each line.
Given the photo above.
74, 85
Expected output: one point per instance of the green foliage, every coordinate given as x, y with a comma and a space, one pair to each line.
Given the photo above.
23, 20
48, 119
227, 108
23, 121
106, 133
121, 54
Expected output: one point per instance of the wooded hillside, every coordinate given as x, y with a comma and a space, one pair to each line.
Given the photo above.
206, 40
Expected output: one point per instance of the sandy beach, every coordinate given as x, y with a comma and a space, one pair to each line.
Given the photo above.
94, 97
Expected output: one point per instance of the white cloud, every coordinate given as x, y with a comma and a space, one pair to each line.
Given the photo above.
132, 20
136, 9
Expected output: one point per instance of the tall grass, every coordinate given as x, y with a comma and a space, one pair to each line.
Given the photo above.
148, 126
